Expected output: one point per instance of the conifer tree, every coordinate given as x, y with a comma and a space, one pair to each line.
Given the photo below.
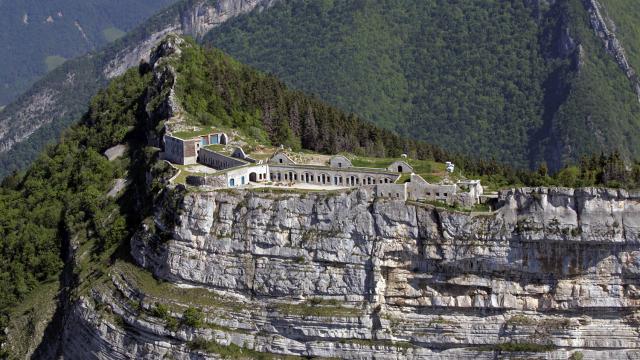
294, 119
310, 133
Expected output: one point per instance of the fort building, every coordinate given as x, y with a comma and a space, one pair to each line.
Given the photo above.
184, 149
401, 167
235, 169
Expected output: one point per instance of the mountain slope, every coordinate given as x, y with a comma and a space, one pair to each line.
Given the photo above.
36, 36
156, 270
37, 117
521, 81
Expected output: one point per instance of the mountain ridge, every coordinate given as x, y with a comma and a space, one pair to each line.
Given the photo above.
53, 103
588, 107
39, 36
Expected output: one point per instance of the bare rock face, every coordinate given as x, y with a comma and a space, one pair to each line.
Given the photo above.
201, 17
343, 275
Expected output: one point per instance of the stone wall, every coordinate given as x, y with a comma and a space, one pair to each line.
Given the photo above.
281, 158
218, 161
340, 162
330, 176
243, 175
420, 189
213, 181
401, 167
392, 191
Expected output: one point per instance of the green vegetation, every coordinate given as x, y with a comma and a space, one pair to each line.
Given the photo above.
195, 297
519, 347
29, 317
577, 356
193, 317
318, 307
627, 26
112, 34
184, 173
233, 351
185, 135
521, 320
217, 91
486, 78
72, 97
53, 61
481, 78
63, 195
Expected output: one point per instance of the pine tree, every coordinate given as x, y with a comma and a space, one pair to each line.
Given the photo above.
267, 118
310, 133
294, 119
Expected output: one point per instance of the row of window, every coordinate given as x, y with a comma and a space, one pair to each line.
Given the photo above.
438, 194
326, 179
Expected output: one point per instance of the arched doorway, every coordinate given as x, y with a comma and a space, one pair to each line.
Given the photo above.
399, 168
253, 177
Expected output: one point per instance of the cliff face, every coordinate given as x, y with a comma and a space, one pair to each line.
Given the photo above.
348, 276
195, 21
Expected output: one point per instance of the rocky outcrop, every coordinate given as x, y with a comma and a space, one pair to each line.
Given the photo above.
196, 21
345, 275
610, 40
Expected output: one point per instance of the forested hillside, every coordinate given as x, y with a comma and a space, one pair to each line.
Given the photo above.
519, 81
37, 36
60, 203
60, 98
512, 80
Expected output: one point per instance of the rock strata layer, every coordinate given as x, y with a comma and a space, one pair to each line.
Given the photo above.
552, 273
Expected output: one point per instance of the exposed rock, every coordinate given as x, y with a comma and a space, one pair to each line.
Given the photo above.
118, 186
201, 17
115, 152
553, 267
611, 43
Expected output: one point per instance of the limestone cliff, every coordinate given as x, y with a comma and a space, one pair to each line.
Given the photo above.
552, 273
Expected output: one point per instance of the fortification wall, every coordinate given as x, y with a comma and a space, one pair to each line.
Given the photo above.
218, 161
330, 176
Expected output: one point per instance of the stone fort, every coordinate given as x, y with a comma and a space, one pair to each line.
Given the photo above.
237, 169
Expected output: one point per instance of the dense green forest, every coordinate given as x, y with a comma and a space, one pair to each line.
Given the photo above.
217, 90
510, 80
36, 36
499, 79
61, 200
